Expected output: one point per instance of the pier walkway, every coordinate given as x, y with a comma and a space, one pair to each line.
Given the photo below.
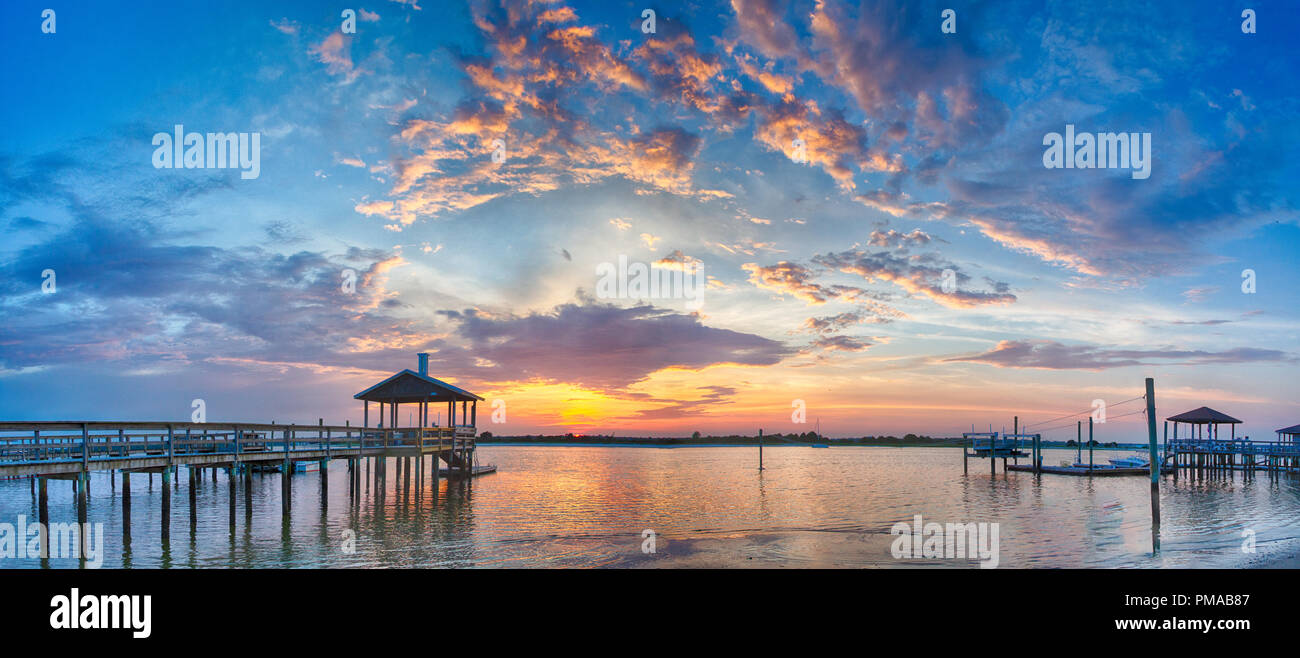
1232, 454
55, 448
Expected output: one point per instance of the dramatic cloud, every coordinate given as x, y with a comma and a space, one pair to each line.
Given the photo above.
892, 238
604, 346
835, 323
917, 276
786, 278
840, 344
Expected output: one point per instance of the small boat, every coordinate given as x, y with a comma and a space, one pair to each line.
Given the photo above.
818, 433
1132, 461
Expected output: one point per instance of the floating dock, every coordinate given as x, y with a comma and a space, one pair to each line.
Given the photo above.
476, 470
1097, 470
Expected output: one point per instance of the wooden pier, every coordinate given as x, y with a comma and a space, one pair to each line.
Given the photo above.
72, 450
1232, 455
1201, 450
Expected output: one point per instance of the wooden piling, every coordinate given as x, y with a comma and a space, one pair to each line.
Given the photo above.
126, 505
166, 517
324, 484
83, 496
1090, 442
1155, 466
232, 481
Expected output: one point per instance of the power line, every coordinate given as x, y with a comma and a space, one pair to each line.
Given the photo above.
1088, 411
1109, 418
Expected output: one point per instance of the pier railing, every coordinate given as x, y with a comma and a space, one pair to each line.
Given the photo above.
1234, 447
66, 441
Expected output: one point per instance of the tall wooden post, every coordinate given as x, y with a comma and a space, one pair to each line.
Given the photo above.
1090, 443
993, 442
286, 472
965, 456
760, 449
1078, 441
1038, 455
1155, 466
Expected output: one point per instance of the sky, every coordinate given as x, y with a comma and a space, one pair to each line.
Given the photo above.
862, 192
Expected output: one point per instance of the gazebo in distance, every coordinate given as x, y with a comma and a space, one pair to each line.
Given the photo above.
421, 390
1291, 434
1201, 418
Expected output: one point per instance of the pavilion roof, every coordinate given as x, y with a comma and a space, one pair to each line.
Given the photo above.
1294, 429
1204, 416
411, 386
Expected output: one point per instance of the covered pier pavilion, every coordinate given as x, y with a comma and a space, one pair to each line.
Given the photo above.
1290, 434
1202, 448
451, 437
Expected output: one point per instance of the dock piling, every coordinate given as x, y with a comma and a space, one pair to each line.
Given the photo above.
194, 508
126, 505
1155, 466
166, 506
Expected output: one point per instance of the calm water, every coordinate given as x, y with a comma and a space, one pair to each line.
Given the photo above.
709, 507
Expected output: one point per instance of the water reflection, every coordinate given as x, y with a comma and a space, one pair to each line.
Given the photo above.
584, 507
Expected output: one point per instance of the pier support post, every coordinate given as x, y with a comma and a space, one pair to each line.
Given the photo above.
195, 476
993, 445
166, 506
43, 512
42, 500
285, 489
232, 480
83, 497
126, 506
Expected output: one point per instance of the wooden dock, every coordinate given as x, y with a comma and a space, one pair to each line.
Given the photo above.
71, 447
72, 450
1232, 455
